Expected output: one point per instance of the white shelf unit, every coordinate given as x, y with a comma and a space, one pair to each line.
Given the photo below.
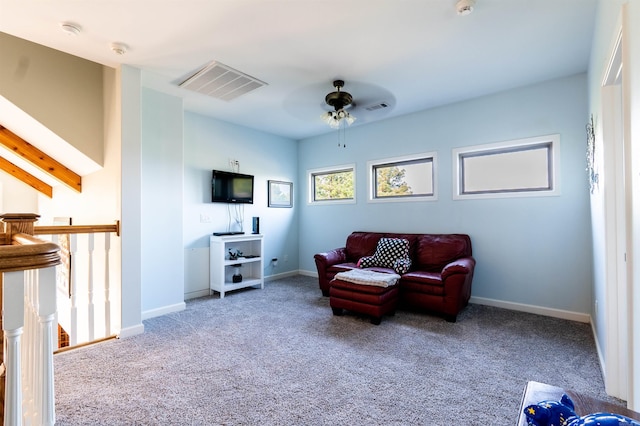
221, 268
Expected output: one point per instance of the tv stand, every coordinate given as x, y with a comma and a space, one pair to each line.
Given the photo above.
221, 268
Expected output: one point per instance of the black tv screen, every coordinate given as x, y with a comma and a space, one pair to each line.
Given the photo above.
229, 187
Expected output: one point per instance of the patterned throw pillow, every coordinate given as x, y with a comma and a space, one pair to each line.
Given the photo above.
401, 266
390, 253
367, 262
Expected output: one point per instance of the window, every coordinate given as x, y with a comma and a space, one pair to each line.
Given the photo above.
410, 178
525, 167
332, 185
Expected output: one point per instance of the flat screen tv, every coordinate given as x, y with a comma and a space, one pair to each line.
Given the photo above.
230, 187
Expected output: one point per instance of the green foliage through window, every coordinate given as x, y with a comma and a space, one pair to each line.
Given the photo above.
403, 178
334, 185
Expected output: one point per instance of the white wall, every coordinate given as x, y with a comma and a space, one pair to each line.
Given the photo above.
161, 204
17, 197
607, 19
532, 251
613, 330
210, 144
59, 90
129, 93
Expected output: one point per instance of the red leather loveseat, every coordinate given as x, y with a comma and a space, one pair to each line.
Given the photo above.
438, 281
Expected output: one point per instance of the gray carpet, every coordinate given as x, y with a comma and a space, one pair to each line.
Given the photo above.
279, 357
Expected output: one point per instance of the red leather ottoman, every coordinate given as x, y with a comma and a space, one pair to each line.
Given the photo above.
375, 300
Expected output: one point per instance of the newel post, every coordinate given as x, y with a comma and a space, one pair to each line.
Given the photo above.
18, 223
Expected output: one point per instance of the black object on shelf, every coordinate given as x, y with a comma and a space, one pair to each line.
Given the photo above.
237, 276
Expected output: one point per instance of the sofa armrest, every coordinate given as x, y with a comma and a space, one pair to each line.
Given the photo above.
456, 278
464, 265
327, 259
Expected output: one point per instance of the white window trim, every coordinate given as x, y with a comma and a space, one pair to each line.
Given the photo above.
457, 153
322, 170
399, 199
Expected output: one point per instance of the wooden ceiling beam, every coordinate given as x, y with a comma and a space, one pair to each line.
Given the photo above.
39, 159
26, 177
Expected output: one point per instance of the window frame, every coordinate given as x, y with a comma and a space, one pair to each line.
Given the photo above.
518, 145
311, 173
371, 165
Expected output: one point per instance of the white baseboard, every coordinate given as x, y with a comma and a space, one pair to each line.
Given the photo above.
163, 311
281, 275
196, 294
600, 355
532, 309
308, 273
131, 331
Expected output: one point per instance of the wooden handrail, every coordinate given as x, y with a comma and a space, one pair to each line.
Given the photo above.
77, 229
27, 252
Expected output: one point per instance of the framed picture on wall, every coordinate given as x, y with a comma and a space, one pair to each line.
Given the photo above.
280, 194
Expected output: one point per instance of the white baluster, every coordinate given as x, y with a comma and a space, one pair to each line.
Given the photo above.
30, 342
73, 290
13, 323
107, 286
45, 399
91, 307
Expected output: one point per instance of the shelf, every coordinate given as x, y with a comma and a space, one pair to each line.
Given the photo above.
246, 282
221, 268
242, 260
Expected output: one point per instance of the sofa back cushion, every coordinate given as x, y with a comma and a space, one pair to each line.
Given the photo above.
361, 244
434, 251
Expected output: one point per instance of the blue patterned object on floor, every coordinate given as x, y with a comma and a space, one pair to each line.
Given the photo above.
561, 413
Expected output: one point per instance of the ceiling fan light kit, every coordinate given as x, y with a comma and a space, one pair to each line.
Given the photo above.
339, 101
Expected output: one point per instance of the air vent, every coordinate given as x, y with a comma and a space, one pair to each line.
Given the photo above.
222, 82
377, 106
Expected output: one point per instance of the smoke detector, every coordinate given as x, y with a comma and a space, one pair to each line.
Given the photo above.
70, 28
119, 48
465, 7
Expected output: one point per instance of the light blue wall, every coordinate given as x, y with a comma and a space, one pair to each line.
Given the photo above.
533, 250
161, 211
210, 144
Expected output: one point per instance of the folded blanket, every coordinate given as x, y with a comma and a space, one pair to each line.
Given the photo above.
363, 276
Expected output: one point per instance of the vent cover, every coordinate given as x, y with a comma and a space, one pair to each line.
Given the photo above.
222, 82
377, 106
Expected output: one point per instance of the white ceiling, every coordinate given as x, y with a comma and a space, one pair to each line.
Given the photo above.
412, 54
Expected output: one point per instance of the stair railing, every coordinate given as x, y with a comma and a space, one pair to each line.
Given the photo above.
89, 285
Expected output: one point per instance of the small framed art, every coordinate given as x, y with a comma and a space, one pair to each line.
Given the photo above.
280, 194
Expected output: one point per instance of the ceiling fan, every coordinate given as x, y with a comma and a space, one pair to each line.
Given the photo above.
340, 101
365, 101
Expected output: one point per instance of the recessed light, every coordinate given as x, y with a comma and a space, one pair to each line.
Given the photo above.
70, 29
119, 48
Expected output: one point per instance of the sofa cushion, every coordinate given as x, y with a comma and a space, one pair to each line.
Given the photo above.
435, 251
422, 283
341, 267
423, 278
